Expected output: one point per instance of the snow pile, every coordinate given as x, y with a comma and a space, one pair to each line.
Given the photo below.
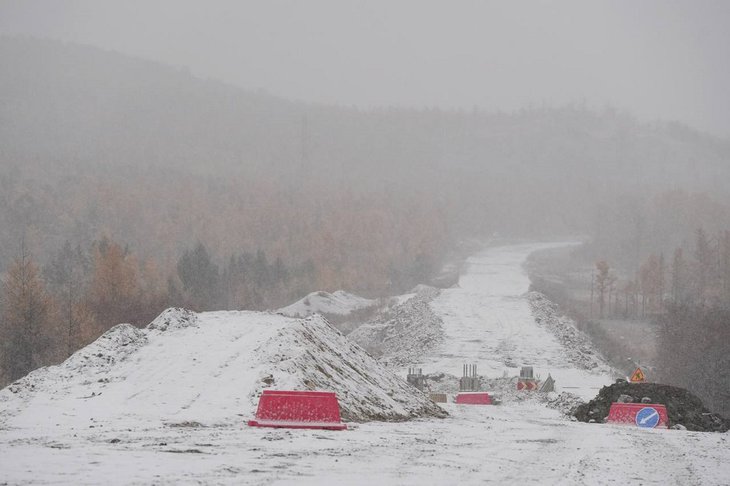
579, 349
208, 369
90, 364
403, 333
336, 303
174, 318
112, 347
565, 402
99, 357
312, 355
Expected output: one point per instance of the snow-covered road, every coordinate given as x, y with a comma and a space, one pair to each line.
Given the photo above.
486, 321
521, 444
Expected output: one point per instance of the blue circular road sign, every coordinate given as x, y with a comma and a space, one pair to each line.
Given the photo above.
647, 417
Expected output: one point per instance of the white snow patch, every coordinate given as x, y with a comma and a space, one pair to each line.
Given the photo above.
338, 302
402, 299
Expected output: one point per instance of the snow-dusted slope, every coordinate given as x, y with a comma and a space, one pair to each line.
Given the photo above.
338, 302
401, 334
207, 368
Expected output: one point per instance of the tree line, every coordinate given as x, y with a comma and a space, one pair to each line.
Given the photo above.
694, 277
49, 311
684, 290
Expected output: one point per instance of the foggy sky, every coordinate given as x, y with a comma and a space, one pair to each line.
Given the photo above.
656, 59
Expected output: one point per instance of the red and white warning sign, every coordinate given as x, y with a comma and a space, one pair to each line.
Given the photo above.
638, 376
526, 384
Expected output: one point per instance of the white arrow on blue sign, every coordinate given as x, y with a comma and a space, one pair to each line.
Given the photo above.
647, 417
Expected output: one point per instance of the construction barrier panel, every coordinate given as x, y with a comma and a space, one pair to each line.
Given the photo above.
298, 410
644, 415
438, 397
525, 384
473, 398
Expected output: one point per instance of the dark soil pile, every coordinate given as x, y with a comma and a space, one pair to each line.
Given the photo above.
683, 407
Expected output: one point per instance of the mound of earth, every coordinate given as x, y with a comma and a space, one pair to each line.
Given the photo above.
682, 406
325, 359
579, 348
403, 333
337, 303
207, 368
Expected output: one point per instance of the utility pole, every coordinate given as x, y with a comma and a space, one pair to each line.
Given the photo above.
304, 142
592, 279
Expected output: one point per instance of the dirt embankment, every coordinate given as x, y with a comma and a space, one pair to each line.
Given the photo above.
403, 333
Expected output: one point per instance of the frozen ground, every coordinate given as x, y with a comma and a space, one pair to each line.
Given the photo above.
487, 320
521, 444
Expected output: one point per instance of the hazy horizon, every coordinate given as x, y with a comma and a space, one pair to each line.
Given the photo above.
653, 59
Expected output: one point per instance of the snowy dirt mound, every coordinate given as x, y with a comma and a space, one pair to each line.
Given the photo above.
113, 346
174, 318
682, 406
91, 363
403, 333
312, 355
336, 303
210, 372
579, 349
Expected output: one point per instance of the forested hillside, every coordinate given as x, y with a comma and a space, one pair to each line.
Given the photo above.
128, 186
667, 260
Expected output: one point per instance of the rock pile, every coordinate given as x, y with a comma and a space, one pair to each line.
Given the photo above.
684, 408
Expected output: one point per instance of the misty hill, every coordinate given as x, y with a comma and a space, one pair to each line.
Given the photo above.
74, 104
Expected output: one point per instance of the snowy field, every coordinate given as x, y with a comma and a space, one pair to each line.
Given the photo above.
487, 320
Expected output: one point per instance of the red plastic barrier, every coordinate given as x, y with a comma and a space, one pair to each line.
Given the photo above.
634, 414
298, 410
474, 398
